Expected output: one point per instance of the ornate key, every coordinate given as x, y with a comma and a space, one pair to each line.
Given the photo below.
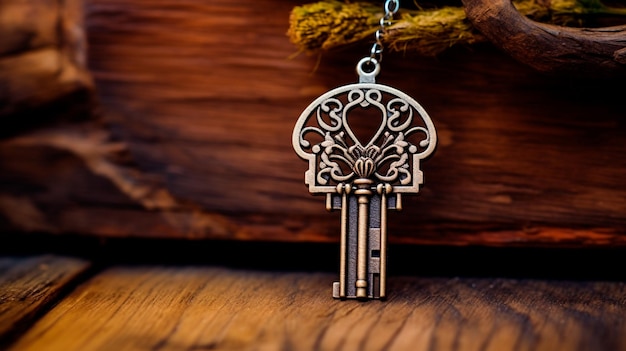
363, 178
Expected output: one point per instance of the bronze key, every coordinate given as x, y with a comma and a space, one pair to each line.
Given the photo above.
363, 178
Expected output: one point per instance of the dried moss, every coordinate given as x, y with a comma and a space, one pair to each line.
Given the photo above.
327, 24
431, 32
330, 24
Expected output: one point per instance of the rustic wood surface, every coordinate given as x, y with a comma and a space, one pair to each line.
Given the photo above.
199, 100
550, 48
29, 284
202, 308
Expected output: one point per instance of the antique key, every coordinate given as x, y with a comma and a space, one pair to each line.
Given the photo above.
363, 178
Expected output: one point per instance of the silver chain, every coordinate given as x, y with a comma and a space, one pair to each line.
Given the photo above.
390, 7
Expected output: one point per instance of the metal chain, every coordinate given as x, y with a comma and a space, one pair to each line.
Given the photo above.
390, 7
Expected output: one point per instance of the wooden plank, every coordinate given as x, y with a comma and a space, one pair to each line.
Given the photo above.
175, 308
512, 155
29, 284
510, 139
199, 100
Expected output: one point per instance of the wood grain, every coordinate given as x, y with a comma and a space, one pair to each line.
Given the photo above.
203, 308
213, 118
29, 284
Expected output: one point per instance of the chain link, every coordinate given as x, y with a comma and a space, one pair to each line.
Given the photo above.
390, 8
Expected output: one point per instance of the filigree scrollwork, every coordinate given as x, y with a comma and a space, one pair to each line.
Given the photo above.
324, 137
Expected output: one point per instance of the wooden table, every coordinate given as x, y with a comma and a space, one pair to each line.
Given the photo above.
57, 302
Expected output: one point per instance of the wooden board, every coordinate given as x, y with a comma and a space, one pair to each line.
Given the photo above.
29, 284
198, 101
202, 308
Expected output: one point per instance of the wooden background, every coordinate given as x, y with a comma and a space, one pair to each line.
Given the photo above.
190, 137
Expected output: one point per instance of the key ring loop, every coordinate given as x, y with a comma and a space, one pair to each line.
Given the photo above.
368, 76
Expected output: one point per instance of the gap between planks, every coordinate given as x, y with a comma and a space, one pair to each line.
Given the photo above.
29, 285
